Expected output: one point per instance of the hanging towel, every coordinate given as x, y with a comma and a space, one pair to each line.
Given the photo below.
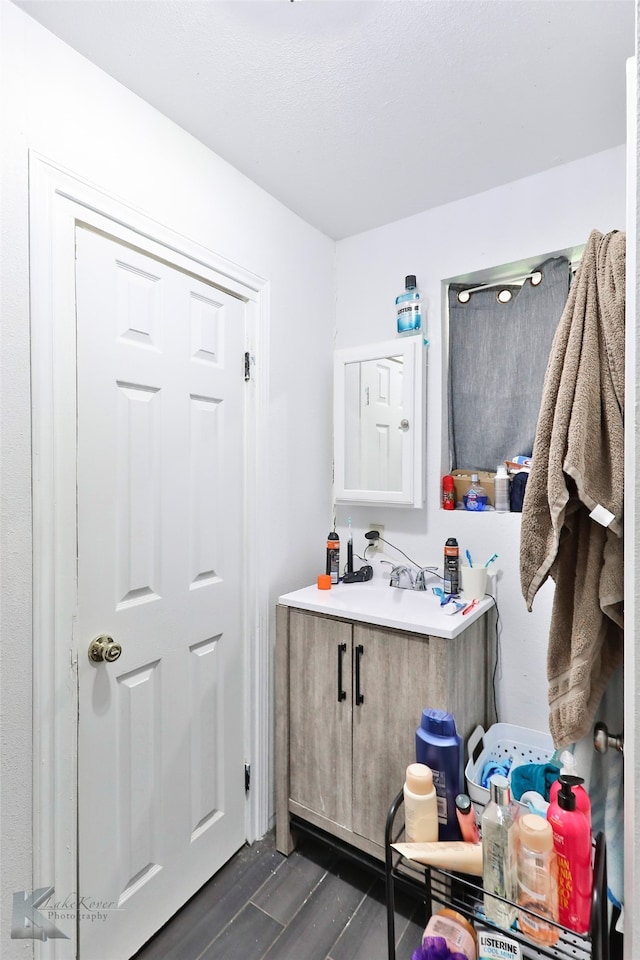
578, 467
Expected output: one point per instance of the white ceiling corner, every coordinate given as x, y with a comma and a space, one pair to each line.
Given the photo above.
356, 113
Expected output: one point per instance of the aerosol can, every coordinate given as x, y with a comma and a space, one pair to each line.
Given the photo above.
333, 556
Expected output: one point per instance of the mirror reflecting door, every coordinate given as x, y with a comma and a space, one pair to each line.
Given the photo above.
378, 423
373, 448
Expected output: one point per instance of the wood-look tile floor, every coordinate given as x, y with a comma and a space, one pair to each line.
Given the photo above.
313, 905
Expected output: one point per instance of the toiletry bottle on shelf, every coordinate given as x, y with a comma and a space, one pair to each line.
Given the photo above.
569, 769
537, 876
499, 853
333, 556
467, 819
476, 496
408, 307
451, 566
572, 843
420, 805
456, 931
448, 493
440, 748
501, 497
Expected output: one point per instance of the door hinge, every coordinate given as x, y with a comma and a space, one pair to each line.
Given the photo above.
247, 777
247, 366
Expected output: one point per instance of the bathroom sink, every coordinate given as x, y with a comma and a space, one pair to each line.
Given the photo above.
376, 602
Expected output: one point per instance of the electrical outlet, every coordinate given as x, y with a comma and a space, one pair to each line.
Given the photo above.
376, 545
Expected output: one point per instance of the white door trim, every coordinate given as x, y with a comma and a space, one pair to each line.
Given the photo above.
631, 538
58, 201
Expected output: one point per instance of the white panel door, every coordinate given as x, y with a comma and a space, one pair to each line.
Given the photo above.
382, 434
160, 507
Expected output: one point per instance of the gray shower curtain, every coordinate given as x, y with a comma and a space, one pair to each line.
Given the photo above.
498, 355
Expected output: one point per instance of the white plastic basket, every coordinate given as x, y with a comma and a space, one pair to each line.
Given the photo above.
502, 742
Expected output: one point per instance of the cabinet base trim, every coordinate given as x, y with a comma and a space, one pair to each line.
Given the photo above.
347, 836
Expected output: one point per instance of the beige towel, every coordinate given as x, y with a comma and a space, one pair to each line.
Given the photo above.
578, 464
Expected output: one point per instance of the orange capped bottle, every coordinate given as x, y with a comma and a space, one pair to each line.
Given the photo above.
537, 877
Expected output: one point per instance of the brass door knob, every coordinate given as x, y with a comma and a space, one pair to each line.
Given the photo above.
104, 650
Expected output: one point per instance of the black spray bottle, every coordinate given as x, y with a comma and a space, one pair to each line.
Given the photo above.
451, 553
333, 555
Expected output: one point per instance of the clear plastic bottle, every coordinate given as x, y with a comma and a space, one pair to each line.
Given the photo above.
499, 854
476, 496
420, 805
409, 308
537, 874
501, 490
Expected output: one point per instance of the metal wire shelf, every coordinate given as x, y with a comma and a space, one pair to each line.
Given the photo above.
465, 894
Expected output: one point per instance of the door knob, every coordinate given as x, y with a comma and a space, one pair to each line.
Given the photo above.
104, 649
602, 739
404, 424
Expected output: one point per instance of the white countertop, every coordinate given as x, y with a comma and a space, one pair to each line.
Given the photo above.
415, 611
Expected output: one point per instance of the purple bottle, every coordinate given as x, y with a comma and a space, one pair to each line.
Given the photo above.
440, 748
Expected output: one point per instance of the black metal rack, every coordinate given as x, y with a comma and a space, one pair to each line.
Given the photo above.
466, 896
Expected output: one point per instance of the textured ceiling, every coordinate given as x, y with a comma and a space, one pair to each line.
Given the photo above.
357, 113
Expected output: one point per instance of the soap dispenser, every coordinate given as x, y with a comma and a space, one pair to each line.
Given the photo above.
569, 768
572, 842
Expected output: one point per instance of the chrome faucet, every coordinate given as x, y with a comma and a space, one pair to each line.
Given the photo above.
421, 577
398, 574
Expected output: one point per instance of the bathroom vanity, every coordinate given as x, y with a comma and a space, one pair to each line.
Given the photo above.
355, 666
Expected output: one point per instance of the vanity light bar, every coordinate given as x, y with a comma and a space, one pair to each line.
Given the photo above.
504, 295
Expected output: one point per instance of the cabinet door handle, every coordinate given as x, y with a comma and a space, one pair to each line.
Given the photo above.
342, 649
359, 694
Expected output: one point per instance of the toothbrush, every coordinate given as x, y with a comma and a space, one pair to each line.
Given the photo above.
469, 560
491, 559
350, 548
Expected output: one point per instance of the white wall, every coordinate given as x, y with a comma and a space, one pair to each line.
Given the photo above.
537, 215
59, 105
56, 103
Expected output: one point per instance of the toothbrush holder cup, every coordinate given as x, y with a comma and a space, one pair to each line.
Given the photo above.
475, 580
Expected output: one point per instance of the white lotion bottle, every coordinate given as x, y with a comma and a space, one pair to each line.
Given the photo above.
420, 805
499, 853
501, 490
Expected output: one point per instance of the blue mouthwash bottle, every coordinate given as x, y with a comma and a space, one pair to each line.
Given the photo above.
409, 307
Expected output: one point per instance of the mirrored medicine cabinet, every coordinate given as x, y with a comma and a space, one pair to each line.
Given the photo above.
379, 410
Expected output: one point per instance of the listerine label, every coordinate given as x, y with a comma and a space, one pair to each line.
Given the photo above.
408, 312
494, 946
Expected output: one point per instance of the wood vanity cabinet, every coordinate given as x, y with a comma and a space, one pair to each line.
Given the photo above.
349, 697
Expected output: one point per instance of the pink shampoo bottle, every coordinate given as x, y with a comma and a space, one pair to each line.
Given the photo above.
572, 843
582, 797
